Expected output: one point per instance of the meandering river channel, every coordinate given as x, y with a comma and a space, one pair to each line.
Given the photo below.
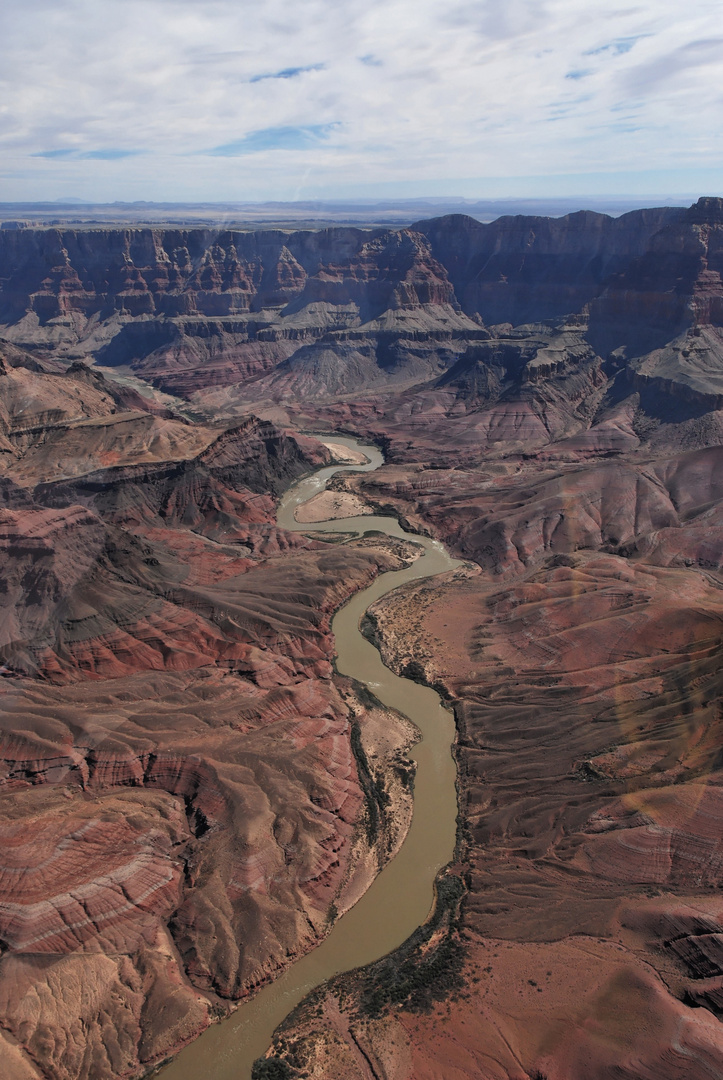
401, 896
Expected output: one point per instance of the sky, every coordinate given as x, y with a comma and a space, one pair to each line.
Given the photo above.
234, 100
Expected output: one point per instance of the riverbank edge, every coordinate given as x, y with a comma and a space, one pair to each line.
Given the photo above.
276, 1063
220, 1009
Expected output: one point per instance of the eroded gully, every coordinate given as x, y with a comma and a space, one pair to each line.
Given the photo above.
401, 897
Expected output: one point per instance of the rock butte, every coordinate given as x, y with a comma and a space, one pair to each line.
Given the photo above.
182, 805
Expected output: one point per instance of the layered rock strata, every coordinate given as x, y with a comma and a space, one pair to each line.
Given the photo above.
583, 661
182, 806
584, 666
548, 394
344, 311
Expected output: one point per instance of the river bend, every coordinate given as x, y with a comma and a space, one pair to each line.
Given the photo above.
401, 897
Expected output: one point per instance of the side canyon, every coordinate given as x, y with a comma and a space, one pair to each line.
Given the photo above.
186, 781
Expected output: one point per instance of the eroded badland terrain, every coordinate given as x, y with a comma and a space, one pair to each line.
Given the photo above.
186, 783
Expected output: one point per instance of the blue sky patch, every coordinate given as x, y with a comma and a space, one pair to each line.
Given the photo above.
288, 73
617, 48
112, 154
109, 154
275, 138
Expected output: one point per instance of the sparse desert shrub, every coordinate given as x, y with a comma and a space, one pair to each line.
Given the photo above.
272, 1068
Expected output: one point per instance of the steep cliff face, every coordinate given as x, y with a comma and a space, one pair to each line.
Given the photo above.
671, 286
524, 269
142, 272
192, 308
344, 310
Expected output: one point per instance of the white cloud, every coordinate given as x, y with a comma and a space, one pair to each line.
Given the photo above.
233, 99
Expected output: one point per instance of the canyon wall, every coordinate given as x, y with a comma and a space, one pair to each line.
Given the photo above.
549, 395
345, 310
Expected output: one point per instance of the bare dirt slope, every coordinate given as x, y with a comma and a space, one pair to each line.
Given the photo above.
182, 810
578, 934
549, 398
584, 666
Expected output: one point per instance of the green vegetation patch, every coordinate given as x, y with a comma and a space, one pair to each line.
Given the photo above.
414, 977
369, 628
273, 1068
376, 797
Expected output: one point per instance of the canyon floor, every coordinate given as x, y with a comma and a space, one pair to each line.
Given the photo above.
185, 809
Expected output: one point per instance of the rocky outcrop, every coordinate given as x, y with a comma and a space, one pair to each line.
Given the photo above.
276, 316
180, 796
588, 942
524, 269
166, 683
97, 586
673, 285
170, 272
344, 310
37, 396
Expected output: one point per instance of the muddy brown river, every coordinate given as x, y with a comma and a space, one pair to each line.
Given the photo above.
401, 896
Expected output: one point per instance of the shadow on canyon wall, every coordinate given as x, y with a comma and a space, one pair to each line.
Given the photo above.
183, 811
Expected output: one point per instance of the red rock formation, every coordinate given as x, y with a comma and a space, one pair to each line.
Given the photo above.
587, 703
167, 672
523, 269
179, 791
584, 666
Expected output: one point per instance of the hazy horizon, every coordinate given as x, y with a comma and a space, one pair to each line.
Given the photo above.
361, 212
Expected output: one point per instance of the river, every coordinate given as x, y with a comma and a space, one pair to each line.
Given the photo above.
401, 897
